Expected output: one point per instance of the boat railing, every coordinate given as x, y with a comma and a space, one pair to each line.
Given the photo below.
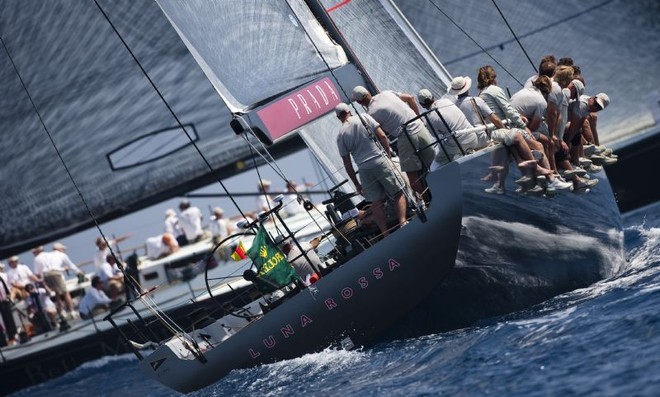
441, 138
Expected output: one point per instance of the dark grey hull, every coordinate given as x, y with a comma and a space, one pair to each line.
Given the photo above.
517, 250
350, 306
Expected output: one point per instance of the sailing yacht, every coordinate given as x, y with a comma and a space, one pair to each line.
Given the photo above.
271, 72
500, 251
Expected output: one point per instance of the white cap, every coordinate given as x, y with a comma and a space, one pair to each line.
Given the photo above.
603, 100
579, 87
59, 246
424, 96
342, 108
359, 93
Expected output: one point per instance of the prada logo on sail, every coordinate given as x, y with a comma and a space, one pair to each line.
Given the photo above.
299, 107
345, 294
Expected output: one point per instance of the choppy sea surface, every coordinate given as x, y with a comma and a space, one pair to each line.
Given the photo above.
603, 340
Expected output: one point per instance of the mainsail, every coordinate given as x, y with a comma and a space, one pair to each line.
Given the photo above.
266, 72
271, 62
121, 144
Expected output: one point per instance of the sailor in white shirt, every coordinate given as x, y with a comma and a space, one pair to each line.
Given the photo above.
51, 266
18, 276
190, 221
95, 300
103, 248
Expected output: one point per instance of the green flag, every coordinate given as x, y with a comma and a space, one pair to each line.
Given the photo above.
272, 267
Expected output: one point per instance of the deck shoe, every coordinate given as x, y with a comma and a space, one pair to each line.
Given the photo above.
579, 171
589, 150
536, 191
495, 189
559, 185
569, 174
585, 163
594, 169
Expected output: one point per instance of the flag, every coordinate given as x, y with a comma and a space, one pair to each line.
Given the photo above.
239, 254
273, 270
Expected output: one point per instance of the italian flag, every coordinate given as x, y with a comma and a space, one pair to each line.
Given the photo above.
239, 254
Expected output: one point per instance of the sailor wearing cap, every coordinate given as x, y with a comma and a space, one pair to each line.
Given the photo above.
378, 177
392, 110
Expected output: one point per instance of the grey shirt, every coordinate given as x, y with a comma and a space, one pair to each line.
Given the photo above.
354, 139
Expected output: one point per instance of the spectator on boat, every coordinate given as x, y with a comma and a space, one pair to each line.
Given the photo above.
264, 201
172, 225
103, 248
112, 278
18, 276
95, 300
448, 119
391, 110
40, 308
219, 226
161, 246
291, 204
304, 265
377, 173
51, 267
8, 330
190, 221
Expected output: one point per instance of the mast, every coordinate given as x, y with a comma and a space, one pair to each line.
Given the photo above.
329, 25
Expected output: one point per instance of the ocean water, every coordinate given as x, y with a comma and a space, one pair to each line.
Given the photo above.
603, 340
600, 341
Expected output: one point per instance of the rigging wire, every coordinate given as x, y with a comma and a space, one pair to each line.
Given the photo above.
341, 87
475, 42
515, 36
52, 141
133, 284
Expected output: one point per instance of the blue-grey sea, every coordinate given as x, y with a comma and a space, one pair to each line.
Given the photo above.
603, 340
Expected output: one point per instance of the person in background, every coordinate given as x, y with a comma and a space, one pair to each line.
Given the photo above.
161, 246
103, 249
51, 267
39, 303
95, 300
112, 277
172, 225
190, 221
291, 204
264, 201
304, 265
219, 225
8, 330
18, 276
